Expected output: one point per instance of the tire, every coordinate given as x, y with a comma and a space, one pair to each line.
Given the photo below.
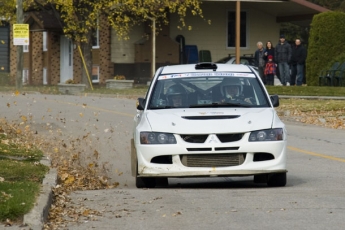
145, 182
276, 180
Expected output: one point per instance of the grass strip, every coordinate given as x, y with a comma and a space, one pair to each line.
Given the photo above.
17, 198
21, 175
306, 90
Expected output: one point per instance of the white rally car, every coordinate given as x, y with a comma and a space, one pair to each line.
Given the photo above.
208, 119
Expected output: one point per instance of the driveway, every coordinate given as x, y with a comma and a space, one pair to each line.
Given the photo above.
313, 198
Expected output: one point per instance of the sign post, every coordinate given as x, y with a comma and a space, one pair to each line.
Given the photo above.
20, 37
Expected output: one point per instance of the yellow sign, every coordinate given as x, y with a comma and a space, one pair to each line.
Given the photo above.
20, 34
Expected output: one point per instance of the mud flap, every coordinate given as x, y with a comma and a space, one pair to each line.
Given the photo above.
134, 161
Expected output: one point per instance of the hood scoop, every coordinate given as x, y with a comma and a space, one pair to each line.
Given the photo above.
211, 117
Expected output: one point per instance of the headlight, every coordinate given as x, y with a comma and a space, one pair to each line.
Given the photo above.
267, 135
157, 138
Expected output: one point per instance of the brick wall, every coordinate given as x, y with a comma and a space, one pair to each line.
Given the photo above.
106, 66
54, 47
36, 49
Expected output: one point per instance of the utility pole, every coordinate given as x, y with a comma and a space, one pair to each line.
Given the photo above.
20, 19
153, 62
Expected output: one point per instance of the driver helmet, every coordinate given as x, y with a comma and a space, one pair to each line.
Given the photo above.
176, 95
231, 87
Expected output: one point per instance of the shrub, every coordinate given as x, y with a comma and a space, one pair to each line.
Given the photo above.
326, 42
70, 81
119, 77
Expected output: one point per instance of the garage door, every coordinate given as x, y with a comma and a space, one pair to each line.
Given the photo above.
4, 49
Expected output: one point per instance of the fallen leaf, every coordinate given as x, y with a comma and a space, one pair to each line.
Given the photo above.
86, 212
70, 179
5, 142
8, 223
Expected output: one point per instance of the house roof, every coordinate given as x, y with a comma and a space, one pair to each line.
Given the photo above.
43, 20
299, 12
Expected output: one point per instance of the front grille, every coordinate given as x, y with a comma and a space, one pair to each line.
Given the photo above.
211, 117
194, 138
230, 137
213, 160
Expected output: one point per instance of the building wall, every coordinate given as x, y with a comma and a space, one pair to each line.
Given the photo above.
123, 51
213, 37
106, 66
37, 59
13, 60
54, 47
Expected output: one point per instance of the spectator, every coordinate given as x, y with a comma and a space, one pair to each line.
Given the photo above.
260, 61
298, 57
270, 70
282, 58
269, 51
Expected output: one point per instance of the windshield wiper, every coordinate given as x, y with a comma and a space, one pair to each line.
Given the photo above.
222, 104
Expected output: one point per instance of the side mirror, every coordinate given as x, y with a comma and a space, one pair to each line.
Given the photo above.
141, 103
275, 100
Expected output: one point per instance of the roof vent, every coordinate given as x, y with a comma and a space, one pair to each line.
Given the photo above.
206, 65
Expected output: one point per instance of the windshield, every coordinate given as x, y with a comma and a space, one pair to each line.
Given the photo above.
216, 90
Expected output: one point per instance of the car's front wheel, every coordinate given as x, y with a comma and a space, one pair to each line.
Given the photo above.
145, 182
276, 180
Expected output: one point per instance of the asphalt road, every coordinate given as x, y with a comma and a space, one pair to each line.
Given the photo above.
314, 197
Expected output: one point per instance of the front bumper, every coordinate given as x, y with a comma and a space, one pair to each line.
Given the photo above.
143, 154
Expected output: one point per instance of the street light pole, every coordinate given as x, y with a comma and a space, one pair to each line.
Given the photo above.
20, 19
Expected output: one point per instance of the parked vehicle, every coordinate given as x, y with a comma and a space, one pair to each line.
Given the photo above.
245, 60
208, 119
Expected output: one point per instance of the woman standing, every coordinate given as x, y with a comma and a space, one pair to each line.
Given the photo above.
269, 51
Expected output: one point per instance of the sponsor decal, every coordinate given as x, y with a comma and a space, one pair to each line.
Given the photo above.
211, 113
210, 74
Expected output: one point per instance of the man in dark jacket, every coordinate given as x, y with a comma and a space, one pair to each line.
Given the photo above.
299, 55
260, 61
282, 58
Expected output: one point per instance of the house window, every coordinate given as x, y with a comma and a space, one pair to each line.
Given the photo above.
232, 29
25, 76
45, 41
25, 48
95, 74
95, 37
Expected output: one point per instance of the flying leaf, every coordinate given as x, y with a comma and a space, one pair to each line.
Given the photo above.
24, 118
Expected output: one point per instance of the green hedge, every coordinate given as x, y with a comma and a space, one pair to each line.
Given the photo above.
326, 43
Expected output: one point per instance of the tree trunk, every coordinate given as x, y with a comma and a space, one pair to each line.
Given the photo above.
86, 48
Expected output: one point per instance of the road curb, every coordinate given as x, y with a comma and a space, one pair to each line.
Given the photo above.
36, 218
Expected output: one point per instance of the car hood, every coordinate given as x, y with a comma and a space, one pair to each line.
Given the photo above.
210, 120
